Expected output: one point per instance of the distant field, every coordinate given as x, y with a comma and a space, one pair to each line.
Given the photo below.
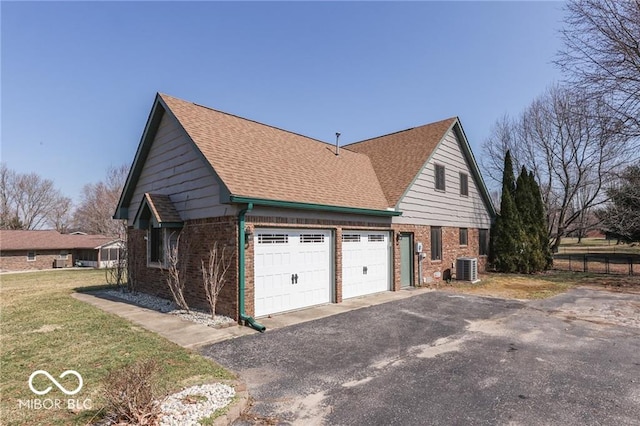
596, 245
44, 328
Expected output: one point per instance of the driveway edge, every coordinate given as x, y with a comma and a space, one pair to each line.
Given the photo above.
236, 408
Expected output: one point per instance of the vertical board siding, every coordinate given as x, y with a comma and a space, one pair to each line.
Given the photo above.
424, 205
174, 168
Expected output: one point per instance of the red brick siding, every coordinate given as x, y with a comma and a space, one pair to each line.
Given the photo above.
202, 233
198, 236
17, 260
451, 250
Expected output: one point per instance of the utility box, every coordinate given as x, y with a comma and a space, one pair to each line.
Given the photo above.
60, 263
467, 269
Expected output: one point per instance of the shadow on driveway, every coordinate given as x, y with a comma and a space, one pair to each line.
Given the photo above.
439, 358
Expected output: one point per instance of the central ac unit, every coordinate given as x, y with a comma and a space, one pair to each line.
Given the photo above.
467, 269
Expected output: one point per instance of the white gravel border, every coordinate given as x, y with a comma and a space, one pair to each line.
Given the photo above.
178, 411
167, 306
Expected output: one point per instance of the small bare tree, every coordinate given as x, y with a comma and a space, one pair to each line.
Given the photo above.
213, 274
117, 274
177, 262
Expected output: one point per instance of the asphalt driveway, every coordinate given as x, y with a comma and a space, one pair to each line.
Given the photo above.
440, 358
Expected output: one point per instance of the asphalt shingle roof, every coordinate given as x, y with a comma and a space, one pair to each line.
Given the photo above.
398, 157
260, 161
49, 240
162, 208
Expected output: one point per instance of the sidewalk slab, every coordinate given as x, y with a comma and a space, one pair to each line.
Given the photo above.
192, 335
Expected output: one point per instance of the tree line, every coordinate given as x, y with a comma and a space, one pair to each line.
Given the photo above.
29, 201
579, 139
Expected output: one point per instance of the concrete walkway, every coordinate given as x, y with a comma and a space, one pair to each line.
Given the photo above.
191, 335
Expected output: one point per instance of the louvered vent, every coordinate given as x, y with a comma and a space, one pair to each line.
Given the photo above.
467, 269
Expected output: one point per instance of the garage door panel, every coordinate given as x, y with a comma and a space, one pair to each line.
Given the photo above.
283, 254
365, 263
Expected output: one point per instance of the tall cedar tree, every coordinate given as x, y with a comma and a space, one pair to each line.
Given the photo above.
539, 219
508, 235
532, 216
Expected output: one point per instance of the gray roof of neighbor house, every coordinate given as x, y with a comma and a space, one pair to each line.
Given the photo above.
50, 240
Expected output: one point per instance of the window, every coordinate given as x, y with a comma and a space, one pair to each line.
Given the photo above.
311, 238
156, 245
375, 238
436, 243
440, 185
351, 238
31, 256
464, 236
464, 184
483, 242
64, 255
273, 238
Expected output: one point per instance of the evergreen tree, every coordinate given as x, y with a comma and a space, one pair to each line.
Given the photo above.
539, 220
508, 236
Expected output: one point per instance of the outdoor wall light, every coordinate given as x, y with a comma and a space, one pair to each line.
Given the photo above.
247, 235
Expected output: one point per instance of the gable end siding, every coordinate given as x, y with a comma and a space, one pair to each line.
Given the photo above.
174, 168
422, 204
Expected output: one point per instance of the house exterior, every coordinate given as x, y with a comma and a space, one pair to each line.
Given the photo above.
32, 250
305, 222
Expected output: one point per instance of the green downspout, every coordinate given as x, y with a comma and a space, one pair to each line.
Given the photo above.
250, 321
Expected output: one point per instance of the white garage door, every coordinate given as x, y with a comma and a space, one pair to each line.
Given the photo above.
365, 263
292, 269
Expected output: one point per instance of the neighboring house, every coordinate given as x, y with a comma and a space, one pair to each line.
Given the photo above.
307, 224
26, 250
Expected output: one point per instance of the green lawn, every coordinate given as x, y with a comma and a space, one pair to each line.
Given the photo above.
596, 245
43, 328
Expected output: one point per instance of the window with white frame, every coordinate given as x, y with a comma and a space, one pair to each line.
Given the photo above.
31, 256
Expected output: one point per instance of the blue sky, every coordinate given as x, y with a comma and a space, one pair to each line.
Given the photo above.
78, 78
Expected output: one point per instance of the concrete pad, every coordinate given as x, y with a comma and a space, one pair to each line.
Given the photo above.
192, 335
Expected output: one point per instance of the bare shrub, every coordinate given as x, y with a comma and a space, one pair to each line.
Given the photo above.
177, 267
129, 393
213, 274
117, 274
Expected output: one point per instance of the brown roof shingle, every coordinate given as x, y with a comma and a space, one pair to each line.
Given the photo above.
398, 157
49, 240
259, 161
162, 208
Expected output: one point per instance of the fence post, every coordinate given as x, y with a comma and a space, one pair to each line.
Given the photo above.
630, 265
606, 264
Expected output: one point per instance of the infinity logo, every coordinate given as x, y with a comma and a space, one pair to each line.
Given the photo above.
55, 382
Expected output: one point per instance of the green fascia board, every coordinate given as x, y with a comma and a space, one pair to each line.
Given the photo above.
311, 206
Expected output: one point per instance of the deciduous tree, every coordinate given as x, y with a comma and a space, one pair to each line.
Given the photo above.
601, 55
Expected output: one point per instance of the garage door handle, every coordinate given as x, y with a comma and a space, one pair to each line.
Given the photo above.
364, 270
294, 278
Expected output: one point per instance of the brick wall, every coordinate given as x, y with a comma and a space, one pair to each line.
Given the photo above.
199, 236
451, 250
17, 260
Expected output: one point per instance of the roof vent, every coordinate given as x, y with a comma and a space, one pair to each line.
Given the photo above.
337, 147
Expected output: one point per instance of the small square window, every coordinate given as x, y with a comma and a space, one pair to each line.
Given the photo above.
440, 184
464, 184
31, 256
464, 236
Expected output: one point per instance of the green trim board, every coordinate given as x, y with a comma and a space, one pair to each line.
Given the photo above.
311, 206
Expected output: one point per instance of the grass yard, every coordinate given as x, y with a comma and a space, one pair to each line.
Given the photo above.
43, 328
539, 286
596, 245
